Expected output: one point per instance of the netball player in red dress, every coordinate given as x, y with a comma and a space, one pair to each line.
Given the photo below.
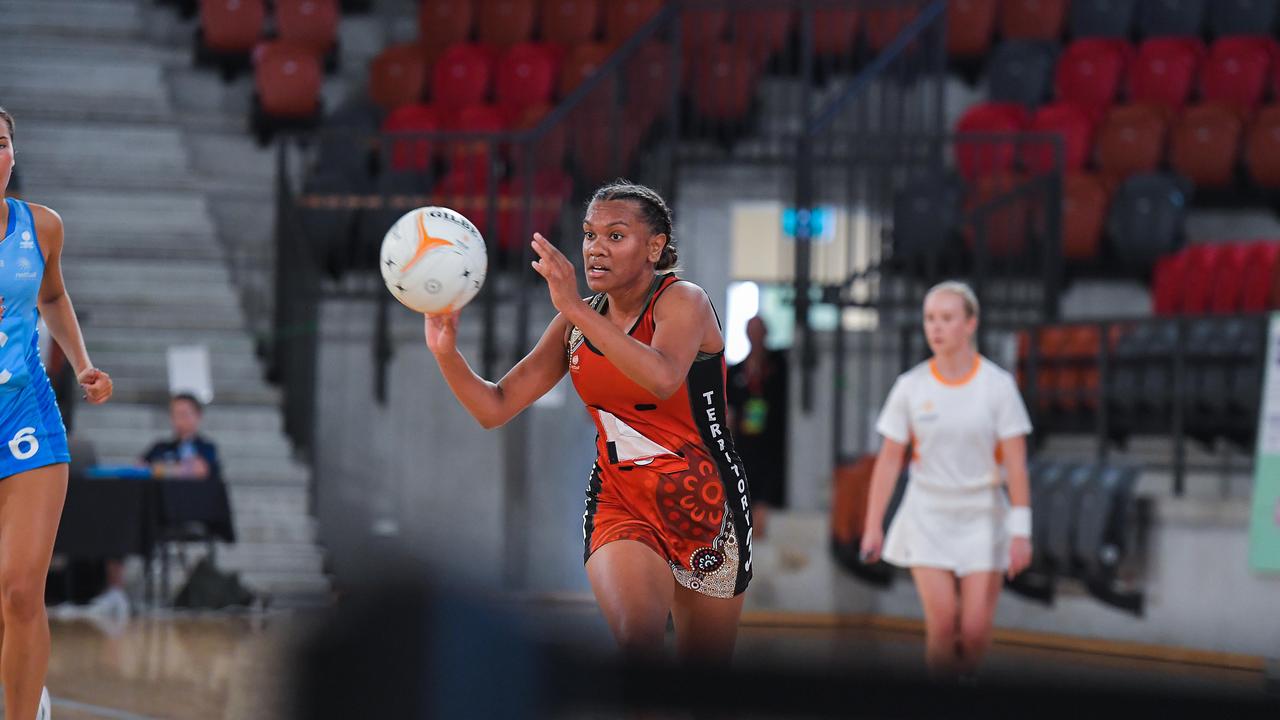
667, 527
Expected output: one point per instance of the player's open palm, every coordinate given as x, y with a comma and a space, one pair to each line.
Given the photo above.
555, 268
442, 333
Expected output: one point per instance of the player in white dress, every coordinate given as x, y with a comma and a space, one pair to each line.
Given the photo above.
956, 530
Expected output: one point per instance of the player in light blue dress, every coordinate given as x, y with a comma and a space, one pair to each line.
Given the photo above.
33, 441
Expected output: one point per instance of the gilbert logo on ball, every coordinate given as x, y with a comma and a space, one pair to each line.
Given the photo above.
433, 260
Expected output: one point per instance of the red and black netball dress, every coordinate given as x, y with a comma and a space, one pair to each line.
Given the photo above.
666, 472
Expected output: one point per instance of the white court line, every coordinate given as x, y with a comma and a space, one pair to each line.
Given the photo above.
98, 710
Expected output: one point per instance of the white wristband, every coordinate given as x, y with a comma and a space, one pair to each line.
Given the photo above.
1018, 521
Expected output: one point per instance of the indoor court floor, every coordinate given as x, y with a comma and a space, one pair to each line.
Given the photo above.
227, 667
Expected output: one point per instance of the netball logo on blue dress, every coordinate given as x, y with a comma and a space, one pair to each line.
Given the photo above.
24, 270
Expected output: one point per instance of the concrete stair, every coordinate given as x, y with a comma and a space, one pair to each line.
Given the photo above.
155, 189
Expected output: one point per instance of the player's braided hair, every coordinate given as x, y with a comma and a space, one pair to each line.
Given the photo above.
654, 212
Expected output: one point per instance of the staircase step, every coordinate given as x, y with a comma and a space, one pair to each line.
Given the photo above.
72, 89
157, 393
242, 445
101, 336
271, 557
106, 215
226, 367
252, 530
74, 155
285, 583
156, 419
72, 18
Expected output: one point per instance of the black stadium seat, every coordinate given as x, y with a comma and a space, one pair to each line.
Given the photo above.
1171, 17
1062, 502
1104, 502
1146, 218
1021, 71
926, 214
1242, 17
1103, 18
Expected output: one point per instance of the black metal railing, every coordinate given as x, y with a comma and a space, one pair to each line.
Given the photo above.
1191, 379
670, 96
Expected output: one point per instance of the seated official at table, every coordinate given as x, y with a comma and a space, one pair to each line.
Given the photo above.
188, 455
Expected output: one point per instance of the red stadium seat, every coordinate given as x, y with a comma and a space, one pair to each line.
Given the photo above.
624, 17
442, 23
526, 77
581, 63
1005, 228
1033, 19
462, 76
310, 23
287, 78
1262, 147
398, 76
602, 150
970, 25
722, 82
549, 150
504, 23
414, 155
570, 22
650, 77
1261, 277
551, 189
470, 161
1131, 140
883, 24
1167, 284
1197, 281
763, 32
1164, 71
1084, 213
979, 157
231, 26
1090, 72
835, 32
699, 28
1228, 269
1235, 73
1205, 144
1072, 125
466, 190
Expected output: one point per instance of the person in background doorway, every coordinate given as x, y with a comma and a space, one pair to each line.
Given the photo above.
758, 398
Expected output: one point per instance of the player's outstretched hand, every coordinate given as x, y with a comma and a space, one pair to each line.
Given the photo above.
442, 333
96, 384
555, 268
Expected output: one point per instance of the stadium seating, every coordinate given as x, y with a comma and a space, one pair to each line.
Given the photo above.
398, 76
624, 17
1033, 19
1164, 71
1084, 212
1131, 140
1205, 145
569, 22
1146, 218
1089, 73
503, 23
970, 27
1171, 17
1103, 18
442, 23
287, 81
1021, 71
1242, 17
310, 23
